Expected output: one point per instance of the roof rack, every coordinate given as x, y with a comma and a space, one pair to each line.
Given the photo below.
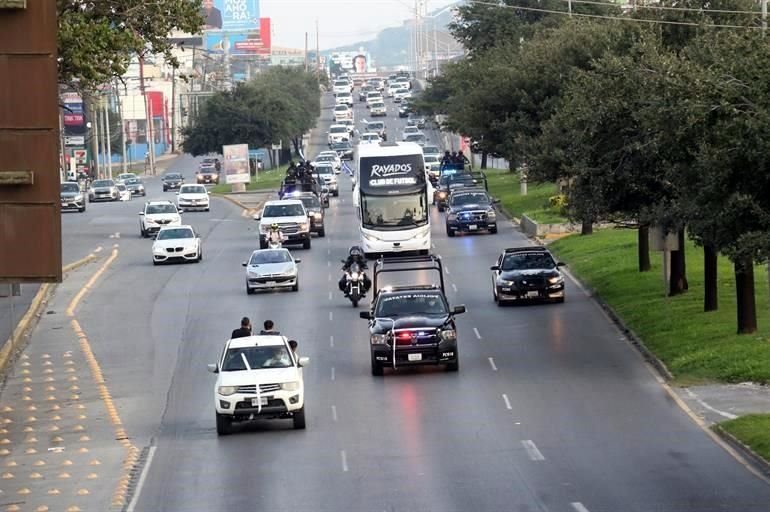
533, 248
429, 262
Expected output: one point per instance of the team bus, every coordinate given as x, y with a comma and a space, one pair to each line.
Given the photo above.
391, 197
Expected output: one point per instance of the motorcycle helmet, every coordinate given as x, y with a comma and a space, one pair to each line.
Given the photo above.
274, 226
355, 251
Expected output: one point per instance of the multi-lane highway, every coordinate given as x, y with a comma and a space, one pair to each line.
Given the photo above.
551, 409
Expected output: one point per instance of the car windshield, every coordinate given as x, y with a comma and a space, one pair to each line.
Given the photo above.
324, 169
528, 261
193, 189
371, 136
325, 158
431, 150
338, 129
258, 357
342, 145
414, 137
411, 128
70, 187
175, 233
378, 105
401, 211
475, 198
283, 210
160, 208
341, 108
376, 126
132, 181
269, 256
103, 183
311, 202
408, 304
172, 177
433, 159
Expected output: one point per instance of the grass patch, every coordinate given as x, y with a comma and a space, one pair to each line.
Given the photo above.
265, 180
504, 185
753, 430
697, 347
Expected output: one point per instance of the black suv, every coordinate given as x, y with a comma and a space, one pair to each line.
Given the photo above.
527, 273
453, 179
315, 211
172, 180
470, 210
411, 325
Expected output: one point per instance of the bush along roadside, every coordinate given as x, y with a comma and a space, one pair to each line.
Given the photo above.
540, 203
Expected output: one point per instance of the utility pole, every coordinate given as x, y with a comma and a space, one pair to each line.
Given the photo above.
317, 49
764, 15
124, 160
95, 139
100, 118
306, 57
569, 6
148, 117
108, 144
173, 109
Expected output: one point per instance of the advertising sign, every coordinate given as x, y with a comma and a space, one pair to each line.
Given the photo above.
230, 14
236, 165
254, 41
73, 119
394, 172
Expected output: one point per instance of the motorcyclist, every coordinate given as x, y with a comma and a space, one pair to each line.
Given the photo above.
355, 255
275, 236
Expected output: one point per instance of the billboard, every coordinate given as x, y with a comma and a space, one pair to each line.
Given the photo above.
230, 15
236, 164
254, 41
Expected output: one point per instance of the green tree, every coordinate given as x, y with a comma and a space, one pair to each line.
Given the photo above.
98, 39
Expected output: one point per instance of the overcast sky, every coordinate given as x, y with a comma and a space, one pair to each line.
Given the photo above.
340, 21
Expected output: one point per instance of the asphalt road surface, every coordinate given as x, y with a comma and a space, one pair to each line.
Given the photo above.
551, 410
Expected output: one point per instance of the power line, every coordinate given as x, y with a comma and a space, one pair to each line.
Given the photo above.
605, 17
665, 8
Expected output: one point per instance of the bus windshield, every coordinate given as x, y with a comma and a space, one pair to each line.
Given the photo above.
394, 212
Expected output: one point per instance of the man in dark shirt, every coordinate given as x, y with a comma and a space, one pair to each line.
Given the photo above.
244, 330
269, 329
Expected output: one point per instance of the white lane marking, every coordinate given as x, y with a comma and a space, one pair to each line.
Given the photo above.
331, 316
344, 461
532, 451
334, 413
476, 332
331, 341
454, 287
142, 478
432, 245
507, 402
446, 269
579, 507
492, 364
98, 250
695, 397
328, 251
330, 277
330, 295
333, 373
116, 245
329, 263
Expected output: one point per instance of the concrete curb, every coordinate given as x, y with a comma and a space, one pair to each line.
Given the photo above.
247, 210
759, 462
22, 330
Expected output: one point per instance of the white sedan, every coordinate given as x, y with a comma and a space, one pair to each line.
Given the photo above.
370, 138
193, 197
271, 268
176, 243
329, 157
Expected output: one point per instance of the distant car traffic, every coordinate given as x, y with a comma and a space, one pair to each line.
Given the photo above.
72, 197
271, 268
123, 193
338, 133
125, 176
292, 220
135, 186
171, 181
344, 150
527, 273
370, 138
342, 112
329, 157
378, 109
207, 174
177, 244
326, 172
103, 190
193, 197
315, 211
470, 211
157, 214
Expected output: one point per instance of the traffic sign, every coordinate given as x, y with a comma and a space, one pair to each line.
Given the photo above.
74, 140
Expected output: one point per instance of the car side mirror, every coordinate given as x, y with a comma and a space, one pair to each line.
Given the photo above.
494, 267
561, 264
365, 315
180, 210
257, 216
297, 260
141, 213
303, 361
177, 193
213, 368
310, 214
495, 201
458, 310
244, 264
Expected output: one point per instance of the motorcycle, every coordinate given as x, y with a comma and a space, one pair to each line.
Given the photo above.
355, 283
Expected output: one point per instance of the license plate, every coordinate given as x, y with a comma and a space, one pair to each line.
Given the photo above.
269, 283
533, 294
473, 227
255, 402
414, 357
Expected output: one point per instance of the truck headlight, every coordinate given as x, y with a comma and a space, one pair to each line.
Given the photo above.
304, 226
448, 335
290, 386
317, 216
371, 238
378, 339
491, 215
555, 280
451, 216
227, 390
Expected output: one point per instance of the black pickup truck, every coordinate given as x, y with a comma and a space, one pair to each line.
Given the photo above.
414, 324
